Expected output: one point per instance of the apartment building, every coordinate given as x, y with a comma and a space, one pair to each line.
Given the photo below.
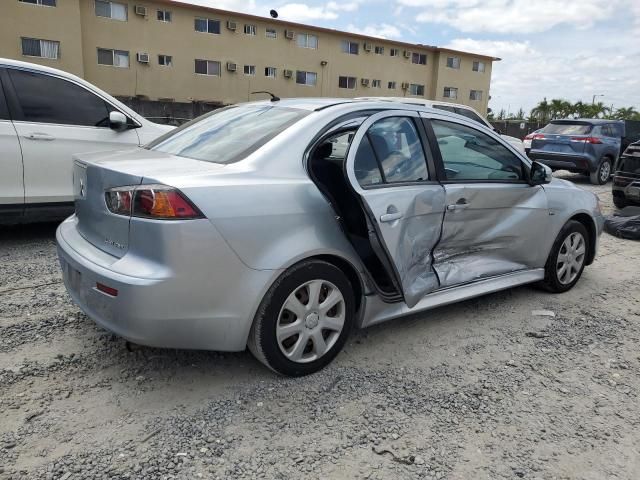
169, 50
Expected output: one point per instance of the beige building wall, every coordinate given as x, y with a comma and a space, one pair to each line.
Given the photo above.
61, 23
75, 24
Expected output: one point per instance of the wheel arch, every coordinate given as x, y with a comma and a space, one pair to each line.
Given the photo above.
589, 223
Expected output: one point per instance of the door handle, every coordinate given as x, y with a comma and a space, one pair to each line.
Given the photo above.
390, 217
461, 204
39, 136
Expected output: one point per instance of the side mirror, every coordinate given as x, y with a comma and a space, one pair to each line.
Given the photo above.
540, 174
117, 121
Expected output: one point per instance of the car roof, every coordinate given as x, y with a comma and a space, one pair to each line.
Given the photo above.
416, 101
586, 121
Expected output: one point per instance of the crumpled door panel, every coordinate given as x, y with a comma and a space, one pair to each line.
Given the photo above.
497, 232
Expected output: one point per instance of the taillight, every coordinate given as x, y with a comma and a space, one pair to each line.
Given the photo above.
529, 137
151, 201
592, 140
538, 136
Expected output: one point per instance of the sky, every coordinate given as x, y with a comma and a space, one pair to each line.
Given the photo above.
570, 49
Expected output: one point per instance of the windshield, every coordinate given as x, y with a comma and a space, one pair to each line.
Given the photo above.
229, 134
567, 129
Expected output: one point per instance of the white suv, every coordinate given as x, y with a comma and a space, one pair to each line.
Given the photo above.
458, 108
46, 116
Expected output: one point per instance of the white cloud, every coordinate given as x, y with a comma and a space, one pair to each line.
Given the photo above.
301, 12
574, 72
513, 16
382, 30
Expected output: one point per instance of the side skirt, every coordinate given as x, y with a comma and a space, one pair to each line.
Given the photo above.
377, 311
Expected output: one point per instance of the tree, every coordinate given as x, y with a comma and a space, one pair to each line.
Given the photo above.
520, 115
542, 112
502, 114
625, 113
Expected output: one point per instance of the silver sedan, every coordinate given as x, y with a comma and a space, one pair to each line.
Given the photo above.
282, 225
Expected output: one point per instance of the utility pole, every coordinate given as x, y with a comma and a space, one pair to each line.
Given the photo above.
593, 99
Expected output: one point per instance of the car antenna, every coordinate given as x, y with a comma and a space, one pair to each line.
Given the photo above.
274, 98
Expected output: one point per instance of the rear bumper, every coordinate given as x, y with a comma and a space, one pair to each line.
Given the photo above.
208, 304
565, 161
627, 187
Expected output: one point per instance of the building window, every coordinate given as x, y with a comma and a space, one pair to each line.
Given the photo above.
250, 70
165, 60
350, 47
450, 92
43, 3
271, 33
478, 66
113, 58
270, 72
391, 85
475, 95
207, 67
249, 29
112, 10
376, 83
307, 40
379, 50
306, 78
33, 47
419, 58
347, 82
207, 25
453, 62
164, 15
394, 52
415, 89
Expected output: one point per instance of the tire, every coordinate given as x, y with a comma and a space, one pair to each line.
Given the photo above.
620, 202
602, 173
555, 279
310, 339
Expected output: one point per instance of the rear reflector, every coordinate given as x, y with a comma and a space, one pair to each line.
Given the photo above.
151, 201
108, 290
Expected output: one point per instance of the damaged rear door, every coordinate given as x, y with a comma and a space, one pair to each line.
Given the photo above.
393, 173
494, 221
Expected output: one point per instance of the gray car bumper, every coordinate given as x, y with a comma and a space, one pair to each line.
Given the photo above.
167, 309
563, 161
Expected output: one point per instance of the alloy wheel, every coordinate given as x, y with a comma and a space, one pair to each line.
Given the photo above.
310, 321
570, 258
605, 171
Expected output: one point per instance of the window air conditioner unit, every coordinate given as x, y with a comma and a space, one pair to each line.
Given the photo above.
143, 57
405, 85
407, 54
288, 73
232, 67
367, 47
231, 25
290, 34
141, 10
365, 82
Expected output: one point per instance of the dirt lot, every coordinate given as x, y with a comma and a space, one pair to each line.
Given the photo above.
479, 390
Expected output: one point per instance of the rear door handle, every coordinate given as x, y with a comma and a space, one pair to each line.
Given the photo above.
459, 205
390, 217
39, 136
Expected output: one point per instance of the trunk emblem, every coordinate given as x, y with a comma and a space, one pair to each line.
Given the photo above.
113, 243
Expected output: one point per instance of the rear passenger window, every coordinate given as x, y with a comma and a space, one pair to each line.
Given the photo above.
391, 152
47, 99
470, 114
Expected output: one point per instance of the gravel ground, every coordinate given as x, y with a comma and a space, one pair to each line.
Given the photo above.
481, 389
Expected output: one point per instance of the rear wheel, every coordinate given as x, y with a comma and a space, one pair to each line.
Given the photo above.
620, 202
567, 258
304, 319
602, 173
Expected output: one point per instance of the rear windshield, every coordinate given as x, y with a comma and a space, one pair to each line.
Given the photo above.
567, 128
229, 134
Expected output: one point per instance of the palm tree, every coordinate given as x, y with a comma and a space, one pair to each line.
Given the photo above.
520, 115
625, 113
560, 108
580, 110
541, 112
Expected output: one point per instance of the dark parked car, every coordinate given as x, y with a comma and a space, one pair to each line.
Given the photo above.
589, 146
626, 181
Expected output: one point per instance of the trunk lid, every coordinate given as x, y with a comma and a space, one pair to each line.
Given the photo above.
93, 174
563, 137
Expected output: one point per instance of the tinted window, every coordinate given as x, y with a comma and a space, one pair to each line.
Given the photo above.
4, 111
468, 154
393, 145
46, 99
470, 114
567, 128
446, 108
228, 135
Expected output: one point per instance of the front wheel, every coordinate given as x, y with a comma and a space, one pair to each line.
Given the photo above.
602, 173
567, 258
304, 319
